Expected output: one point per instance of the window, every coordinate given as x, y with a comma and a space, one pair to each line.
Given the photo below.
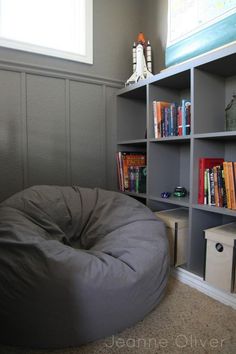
59, 28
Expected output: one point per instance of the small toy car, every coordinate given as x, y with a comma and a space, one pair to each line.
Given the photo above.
165, 194
180, 192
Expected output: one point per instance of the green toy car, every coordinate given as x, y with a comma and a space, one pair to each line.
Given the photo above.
180, 192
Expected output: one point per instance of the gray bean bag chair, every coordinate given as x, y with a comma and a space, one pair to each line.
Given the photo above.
76, 265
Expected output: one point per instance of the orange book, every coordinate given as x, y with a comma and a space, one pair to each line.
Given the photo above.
226, 175
234, 165
231, 184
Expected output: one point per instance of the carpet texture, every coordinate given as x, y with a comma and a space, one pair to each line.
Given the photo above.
186, 321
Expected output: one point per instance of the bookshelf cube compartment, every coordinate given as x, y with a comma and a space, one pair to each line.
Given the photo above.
131, 160
213, 146
177, 227
212, 92
170, 166
131, 112
201, 220
172, 91
220, 256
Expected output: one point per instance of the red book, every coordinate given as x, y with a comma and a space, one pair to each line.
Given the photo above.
204, 163
179, 120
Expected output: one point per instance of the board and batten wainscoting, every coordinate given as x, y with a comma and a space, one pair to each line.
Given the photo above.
56, 127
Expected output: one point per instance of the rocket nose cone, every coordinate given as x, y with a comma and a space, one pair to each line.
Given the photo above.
141, 38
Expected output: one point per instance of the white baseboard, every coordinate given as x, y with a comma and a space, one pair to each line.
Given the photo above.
198, 283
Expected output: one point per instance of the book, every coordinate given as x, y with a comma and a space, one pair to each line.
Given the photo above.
137, 179
179, 120
169, 119
223, 187
216, 186
212, 187
188, 118
128, 159
160, 106
185, 104
154, 105
204, 163
141, 179
220, 185
206, 186
227, 188
131, 179
173, 119
120, 171
231, 184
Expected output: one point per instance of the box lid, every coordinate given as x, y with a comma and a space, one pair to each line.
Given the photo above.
225, 234
171, 216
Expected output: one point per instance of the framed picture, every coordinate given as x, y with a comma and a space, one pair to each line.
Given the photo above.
198, 26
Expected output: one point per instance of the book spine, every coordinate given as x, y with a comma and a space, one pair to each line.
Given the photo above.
212, 187
188, 119
174, 126
220, 186
205, 187
179, 119
131, 179
201, 181
183, 118
208, 187
223, 187
231, 184
166, 123
162, 122
137, 179
216, 188
226, 176
118, 171
155, 124
159, 119
142, 179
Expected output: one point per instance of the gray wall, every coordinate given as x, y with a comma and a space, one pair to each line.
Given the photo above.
57, 117
154, 23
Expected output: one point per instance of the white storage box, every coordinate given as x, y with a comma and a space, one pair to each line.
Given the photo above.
177, 226
220, 256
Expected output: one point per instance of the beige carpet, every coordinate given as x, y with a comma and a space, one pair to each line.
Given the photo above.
186, 321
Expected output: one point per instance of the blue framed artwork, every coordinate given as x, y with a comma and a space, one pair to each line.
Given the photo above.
198, 26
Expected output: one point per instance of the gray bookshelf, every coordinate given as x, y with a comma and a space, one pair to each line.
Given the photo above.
208, 81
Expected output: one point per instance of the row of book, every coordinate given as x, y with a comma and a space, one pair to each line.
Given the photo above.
131, 170
171, 119
217, 182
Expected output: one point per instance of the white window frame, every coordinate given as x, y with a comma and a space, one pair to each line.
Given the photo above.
87, 58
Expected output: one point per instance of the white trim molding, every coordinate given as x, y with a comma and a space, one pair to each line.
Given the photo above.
198, 283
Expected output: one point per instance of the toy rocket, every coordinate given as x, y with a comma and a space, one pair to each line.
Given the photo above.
142, 60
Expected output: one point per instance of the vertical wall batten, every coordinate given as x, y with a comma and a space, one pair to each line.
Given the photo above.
67, 133
24, 130
104, 128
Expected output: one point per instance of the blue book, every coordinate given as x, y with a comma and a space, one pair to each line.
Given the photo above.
184, 104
